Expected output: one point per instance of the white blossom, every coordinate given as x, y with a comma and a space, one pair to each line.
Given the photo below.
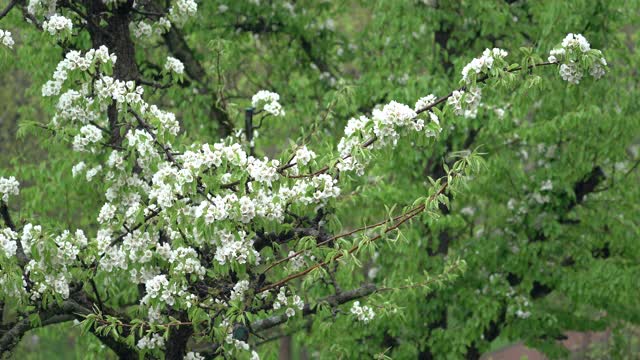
575, 48
89, 134
8, 242
571, 72
166, 119
9, 186
174, 65
423, 102
193, 356
483, 63
78, 168
6, 39
296, 262
238, 290
576, 41
91, 173
185, 261
598, 68
107, 212
162, 26
151, 342
57, 24
30, 234
362, 313
234, 247
269, 101
182, 10
141, 29
304, 156
34, 6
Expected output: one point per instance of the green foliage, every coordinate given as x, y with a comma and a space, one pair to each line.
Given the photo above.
536, 233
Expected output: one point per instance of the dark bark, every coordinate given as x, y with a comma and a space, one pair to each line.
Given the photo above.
176, 346
284, 352
587, 185
115, 36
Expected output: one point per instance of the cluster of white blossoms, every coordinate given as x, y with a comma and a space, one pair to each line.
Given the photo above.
385, 126
162, 26
573, 50
576, 41
290, 303
263, 171
185, 261
267, 101
571, 72
47, 6
168, 183
69, 246
304, 155
234, 248
193, 356
237, 294
466, 103
45, 282
521, 306
74, 60
8, 242
70, 107
89, 134
30, 234
143, 31
237, 344
483, 63
423, 103
50, 275
296, 262
91, 173
393, 115
182, 10
123, 92
9, 186
6, 39
57, 24
174, 65
362, 313
160, 290
152, 341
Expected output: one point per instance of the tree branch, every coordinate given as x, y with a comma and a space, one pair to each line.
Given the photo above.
8, 8
332, 300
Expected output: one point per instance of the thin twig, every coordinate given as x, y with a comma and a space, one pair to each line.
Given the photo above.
419, 210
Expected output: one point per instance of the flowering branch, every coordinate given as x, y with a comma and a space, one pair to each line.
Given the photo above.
427, 108
411, 214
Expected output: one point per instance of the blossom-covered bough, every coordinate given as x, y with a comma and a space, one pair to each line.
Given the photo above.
214, 242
